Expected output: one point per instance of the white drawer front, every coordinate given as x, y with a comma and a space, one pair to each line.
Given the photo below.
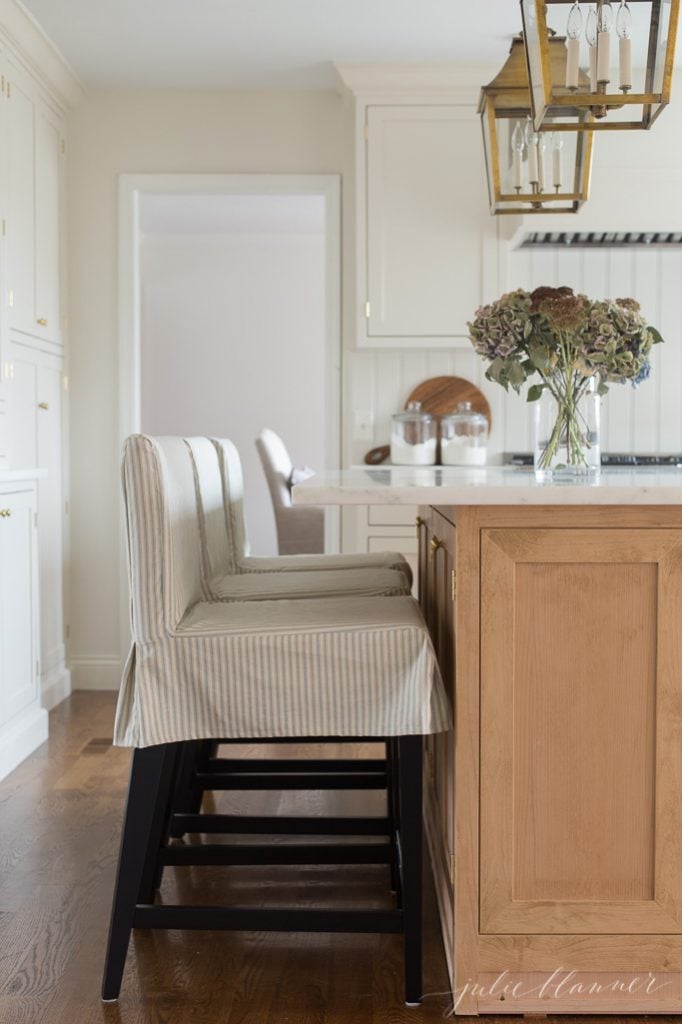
391, 515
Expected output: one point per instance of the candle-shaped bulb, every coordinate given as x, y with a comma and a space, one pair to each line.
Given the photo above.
518, 139
542, 170
591, 36
574, 25
533, 163
624, 21
518, 142
604, 22
624, 31
573, 32
557, 146
605, 17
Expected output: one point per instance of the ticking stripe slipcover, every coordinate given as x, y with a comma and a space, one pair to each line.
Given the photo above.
198, 669
223, 580
243, 561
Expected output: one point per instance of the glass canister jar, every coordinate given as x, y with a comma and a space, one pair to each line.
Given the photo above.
463, 437
413, 437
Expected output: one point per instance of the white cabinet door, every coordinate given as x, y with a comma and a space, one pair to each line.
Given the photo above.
425, 225
22, 409
47, 148
50, 520
21, 241
19, 668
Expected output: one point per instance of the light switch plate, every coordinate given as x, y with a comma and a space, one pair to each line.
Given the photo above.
363, 425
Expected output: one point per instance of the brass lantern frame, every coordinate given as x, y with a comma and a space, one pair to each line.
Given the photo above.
549, 100
507, 97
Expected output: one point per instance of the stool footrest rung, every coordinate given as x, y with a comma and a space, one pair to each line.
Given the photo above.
217, 781
283, 853
252, 766
283, 919
237, 824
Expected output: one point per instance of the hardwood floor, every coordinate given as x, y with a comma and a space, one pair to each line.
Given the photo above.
60, 816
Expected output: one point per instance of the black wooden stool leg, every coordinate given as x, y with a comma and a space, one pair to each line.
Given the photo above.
147, 773
184, 794
159, 833
410, 781
392, 811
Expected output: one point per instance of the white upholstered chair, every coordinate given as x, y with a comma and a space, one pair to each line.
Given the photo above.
201, 670
299, 530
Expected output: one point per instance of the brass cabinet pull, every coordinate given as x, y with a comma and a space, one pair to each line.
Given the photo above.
5, 512
434, 546
42, 321
419, 522
43, 405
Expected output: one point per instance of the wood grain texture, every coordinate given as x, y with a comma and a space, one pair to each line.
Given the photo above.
60, 818
577, 630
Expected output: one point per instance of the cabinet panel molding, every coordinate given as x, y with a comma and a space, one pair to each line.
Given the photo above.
579, 647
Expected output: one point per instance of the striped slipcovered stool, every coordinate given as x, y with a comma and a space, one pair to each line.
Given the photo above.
244, 562
308, 668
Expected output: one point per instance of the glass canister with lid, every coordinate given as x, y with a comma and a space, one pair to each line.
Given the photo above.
463, 437
413, 437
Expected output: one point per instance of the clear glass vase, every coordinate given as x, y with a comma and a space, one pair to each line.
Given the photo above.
566, 434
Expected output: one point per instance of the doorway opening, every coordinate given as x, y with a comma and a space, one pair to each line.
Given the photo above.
230, 320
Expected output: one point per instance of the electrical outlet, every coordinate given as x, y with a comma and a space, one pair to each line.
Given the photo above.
363, 425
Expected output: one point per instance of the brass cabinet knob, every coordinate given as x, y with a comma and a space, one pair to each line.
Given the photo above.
43, 405
41, 321
5, 512
419, 522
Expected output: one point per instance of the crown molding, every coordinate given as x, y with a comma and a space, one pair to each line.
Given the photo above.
21, 34
432, 82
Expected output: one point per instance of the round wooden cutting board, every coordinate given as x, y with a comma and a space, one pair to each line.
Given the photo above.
441, 395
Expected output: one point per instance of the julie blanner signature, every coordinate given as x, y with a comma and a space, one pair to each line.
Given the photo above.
560, 984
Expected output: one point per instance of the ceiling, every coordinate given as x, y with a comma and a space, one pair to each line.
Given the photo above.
231, 214
261, 44
280, 44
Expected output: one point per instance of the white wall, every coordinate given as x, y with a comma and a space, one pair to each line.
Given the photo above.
233, 340
126, 132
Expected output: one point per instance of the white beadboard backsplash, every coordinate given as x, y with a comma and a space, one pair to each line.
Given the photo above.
645, 419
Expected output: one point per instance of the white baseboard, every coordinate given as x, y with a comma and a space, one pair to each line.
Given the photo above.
96, 673
55, 686
20, 737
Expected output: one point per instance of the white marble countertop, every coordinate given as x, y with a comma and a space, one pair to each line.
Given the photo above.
494, 485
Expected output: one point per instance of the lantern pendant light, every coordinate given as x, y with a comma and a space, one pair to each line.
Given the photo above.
599, 37
532, 171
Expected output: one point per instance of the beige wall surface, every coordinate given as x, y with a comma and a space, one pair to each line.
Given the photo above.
113, 133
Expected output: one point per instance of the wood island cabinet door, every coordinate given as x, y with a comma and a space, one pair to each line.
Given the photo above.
581, 731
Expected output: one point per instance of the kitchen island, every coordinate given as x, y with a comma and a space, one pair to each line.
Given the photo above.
554, 807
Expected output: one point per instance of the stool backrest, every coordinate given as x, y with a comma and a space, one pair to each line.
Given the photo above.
233, 496
215, 520
164, 542
277, 466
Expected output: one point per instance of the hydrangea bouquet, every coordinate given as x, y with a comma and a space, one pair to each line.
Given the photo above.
574, 345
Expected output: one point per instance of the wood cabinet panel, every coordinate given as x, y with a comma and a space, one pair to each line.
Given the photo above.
579, 645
